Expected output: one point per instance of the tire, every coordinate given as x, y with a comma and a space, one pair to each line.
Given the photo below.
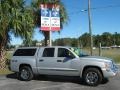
25, 73
92, 76
105, 80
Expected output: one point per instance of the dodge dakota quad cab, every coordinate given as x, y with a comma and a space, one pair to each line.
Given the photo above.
60, 60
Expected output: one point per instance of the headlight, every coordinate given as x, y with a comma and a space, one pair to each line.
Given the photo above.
108, 65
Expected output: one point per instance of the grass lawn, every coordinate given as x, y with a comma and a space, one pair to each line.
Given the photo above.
113, 53
110, 53
4, 71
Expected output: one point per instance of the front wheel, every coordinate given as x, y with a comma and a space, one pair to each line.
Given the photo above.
25, 73
92, 76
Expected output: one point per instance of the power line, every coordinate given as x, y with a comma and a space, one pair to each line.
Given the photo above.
110, 6
96, 8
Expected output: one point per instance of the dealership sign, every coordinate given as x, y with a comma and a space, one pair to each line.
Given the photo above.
50, 17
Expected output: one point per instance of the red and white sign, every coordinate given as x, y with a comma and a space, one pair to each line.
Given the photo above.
50, 17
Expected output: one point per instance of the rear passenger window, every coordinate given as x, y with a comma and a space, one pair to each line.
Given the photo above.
25, 52
48, 52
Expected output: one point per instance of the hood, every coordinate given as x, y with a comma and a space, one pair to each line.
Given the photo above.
98, 58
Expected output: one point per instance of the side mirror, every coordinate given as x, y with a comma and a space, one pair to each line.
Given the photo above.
71, 56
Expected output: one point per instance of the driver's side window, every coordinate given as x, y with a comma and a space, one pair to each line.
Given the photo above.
62, 52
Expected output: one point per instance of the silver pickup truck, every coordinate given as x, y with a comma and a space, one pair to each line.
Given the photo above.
60, 60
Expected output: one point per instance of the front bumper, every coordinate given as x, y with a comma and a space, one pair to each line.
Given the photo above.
111, 72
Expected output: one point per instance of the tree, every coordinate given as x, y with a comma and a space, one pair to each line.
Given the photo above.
29, 43
97, 40
59, 42
66, 42
85, 39
75, 42
116, 38
15, 18
34, 42
37, 19
106, 39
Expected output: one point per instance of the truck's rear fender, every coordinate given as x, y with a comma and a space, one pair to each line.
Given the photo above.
34, 70
27, 60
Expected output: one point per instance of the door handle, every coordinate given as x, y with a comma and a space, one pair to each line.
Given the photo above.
59, 60
41, 60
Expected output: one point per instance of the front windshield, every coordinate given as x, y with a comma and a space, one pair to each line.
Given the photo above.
79, 52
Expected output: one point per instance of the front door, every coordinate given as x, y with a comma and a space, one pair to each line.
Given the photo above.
64, 59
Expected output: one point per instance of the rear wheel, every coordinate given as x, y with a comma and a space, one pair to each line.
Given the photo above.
92, 76
25, 73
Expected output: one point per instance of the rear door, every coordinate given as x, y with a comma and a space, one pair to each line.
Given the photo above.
46, 61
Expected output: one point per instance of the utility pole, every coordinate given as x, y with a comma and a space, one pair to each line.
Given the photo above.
100, 54
90, 29
50, 33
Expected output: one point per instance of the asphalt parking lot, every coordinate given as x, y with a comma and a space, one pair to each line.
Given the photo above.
10, 82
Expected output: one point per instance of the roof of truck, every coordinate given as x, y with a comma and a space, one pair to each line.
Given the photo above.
42, 47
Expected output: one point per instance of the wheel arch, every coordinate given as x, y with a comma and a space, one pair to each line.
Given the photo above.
90, 66
23, 64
